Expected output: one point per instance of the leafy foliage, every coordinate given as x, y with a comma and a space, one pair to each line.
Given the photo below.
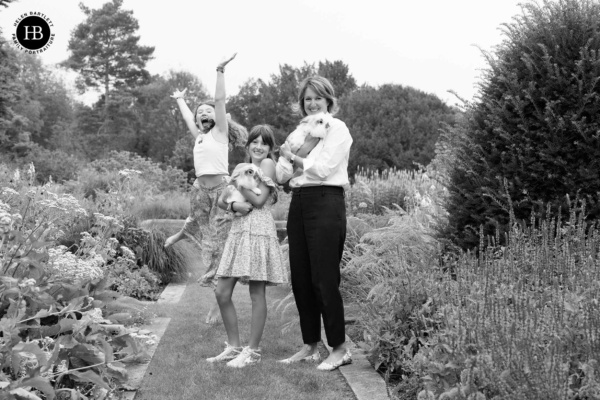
62, 331
374, 193
517, 321
105, 50
45, 101
392, 126
51, 165
169, 265
11, 124
159, 124
535, 124
390, 273
40, 119
260, 102
512, 321
154, 177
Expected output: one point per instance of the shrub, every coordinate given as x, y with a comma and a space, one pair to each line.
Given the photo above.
534, 123
520, 321
62, 331
392, 126
51, 164
392, 275
374, 193
127, 279
168, 264
158, 178
517, 321
172, 205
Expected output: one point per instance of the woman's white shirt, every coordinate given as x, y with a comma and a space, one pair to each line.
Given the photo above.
326, 164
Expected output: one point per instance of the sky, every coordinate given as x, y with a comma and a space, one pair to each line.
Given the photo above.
431, 45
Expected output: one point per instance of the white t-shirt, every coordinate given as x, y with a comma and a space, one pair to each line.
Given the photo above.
210, 155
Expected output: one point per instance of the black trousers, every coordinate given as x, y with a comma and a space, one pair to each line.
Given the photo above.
316, 229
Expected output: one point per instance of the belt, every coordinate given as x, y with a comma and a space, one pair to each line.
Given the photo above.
318, 189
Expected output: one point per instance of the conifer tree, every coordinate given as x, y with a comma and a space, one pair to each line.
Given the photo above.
532, 135
105, 50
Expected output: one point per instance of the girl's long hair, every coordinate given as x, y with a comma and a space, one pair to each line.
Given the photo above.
238, 134
268, 138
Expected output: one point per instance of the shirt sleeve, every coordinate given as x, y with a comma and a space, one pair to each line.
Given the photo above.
336, 149
283, 170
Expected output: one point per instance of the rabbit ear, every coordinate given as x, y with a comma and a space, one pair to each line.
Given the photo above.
306, 119
237, 171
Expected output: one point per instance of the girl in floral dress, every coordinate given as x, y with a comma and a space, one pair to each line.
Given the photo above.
252, 254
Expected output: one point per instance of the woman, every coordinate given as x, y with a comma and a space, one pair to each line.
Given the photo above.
214, 135
316, 226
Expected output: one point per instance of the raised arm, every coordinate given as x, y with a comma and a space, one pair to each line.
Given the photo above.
222, 130
186, 113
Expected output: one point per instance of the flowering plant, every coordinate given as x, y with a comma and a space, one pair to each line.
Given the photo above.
61, 330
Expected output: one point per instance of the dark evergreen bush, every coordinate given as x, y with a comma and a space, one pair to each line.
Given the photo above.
532, 135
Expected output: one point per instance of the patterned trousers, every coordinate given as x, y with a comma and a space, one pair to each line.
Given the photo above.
207, 225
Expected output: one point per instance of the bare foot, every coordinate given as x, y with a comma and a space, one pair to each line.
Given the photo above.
306, 353
336, 355
213, 315
171, 240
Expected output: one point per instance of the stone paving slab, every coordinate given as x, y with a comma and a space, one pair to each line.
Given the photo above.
137, 371
364, 381
172, 293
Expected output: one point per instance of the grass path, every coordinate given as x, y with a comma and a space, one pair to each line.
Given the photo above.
179, 371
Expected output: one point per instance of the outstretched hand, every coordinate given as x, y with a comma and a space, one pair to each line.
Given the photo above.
226, 61
178, 94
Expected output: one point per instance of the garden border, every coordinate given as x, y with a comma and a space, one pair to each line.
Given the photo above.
365, 382
171, 295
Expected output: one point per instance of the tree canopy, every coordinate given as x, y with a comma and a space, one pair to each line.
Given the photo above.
105, 49
260, 102
393, 126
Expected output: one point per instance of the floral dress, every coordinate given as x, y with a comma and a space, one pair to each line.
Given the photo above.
252, 251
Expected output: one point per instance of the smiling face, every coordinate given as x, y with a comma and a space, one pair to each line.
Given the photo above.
258, 150
313, 102
205, 117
